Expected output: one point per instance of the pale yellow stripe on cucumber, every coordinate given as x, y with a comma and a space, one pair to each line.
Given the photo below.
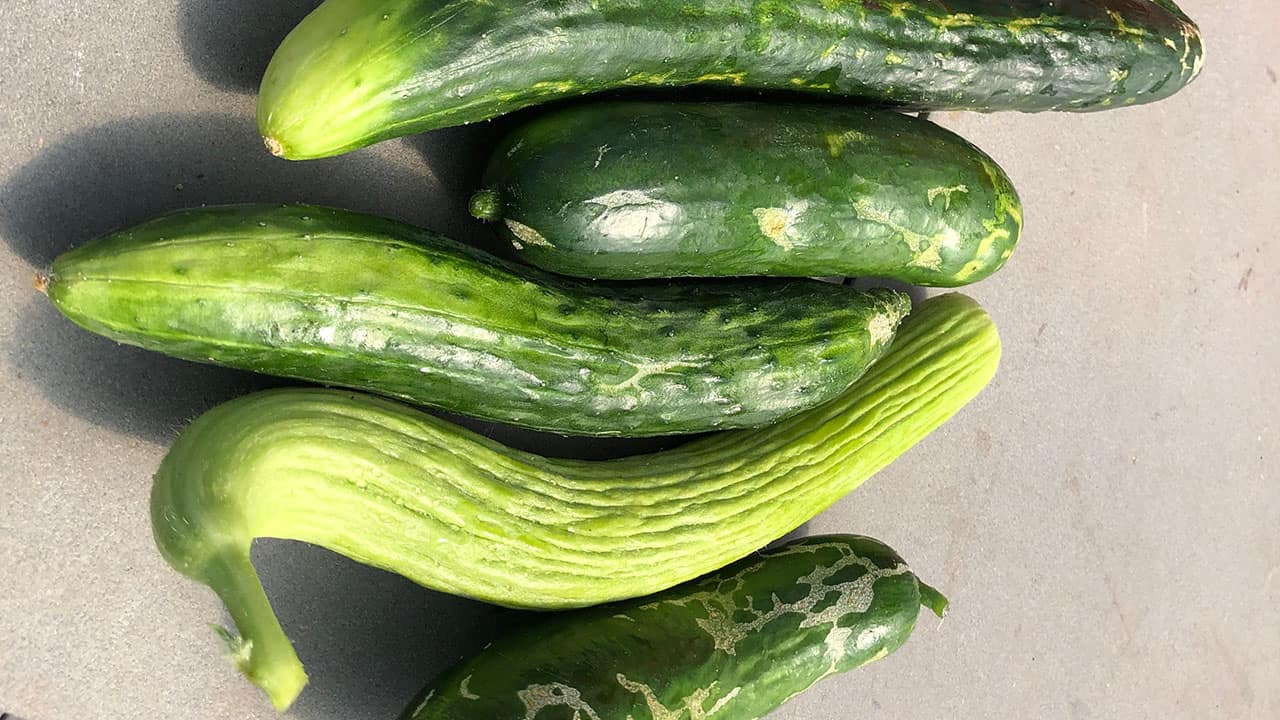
734, 78
1190, 33
1021, 25
948, 22
1125, 29
837, 142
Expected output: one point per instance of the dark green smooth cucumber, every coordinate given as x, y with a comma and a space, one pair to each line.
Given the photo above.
735, 644
627, 190
358, 71
359, 301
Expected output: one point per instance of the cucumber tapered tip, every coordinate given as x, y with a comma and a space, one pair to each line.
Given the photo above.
484, 205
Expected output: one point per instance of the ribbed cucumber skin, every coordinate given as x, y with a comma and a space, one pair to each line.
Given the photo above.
358, 71
628, 190
358, 301
735, 644
407, 492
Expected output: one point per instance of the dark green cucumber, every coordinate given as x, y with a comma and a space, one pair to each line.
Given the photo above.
627, 190
359, 301
735, 644
358, 71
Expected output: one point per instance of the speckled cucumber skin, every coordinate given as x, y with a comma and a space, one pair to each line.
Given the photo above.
735, 644
358, 301
627, 190
358, 71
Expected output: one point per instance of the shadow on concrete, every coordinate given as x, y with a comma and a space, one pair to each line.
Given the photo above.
369, 640
230, 42
126, 172
130, 391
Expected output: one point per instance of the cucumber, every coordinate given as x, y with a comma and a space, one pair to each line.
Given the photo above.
627, 190
359, 301
410, 493
735, 644
358, 71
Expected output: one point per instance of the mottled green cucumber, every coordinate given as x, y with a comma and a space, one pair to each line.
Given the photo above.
358, 301
404, 491
734, 645
627, 190
358, 71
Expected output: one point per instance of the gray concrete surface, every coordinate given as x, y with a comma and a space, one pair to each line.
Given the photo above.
1103, 517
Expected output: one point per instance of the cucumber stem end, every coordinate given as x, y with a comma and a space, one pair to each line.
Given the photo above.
933, 599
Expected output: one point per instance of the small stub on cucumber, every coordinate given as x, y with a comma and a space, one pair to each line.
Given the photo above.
274, 146
932, 599
41, 282
484, 206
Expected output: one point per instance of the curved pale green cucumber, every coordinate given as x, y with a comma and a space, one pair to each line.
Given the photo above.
628, 190
401, 490
358, 71
735, 644
358, 301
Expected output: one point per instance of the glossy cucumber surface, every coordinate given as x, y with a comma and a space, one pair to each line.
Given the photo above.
735, 644
628, 190
353, 300
358, 71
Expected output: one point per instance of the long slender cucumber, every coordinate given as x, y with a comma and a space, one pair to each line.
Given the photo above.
451, 510
358, 301
358, 71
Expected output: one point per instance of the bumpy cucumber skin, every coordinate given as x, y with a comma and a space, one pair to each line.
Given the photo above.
358, 301
410, 493
358, 71
628, 190
735, 644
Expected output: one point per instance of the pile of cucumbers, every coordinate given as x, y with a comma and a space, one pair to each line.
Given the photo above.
669, 246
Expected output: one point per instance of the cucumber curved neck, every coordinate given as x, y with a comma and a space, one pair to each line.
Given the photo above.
262, 651
409, 493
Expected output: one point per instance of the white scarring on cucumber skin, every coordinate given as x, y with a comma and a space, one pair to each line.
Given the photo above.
537, 698
526, 235
855, 597
779, 223
632, 213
